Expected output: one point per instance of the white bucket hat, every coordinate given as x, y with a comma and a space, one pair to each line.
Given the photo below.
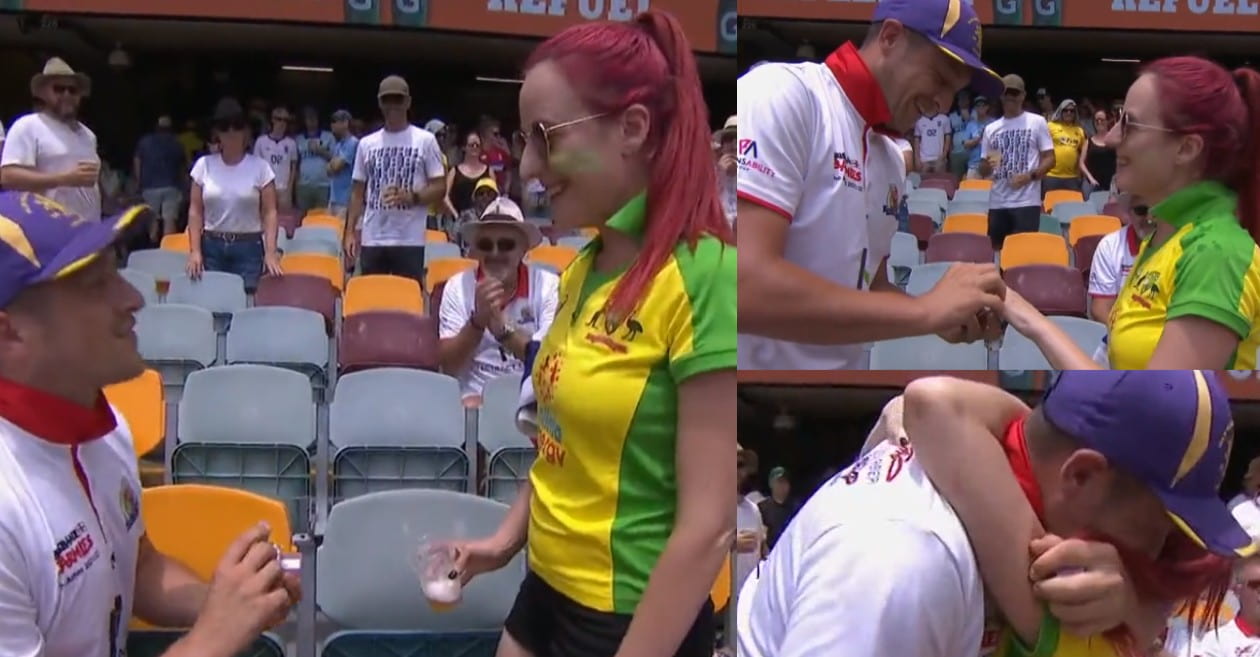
58, 68
503, 211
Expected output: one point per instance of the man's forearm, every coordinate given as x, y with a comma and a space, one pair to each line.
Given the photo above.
23, 179
517, 343
456, 353
168, 594
432, 192
1045, 165
356, 206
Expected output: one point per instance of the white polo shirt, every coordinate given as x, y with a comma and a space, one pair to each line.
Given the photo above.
1113, 259
70, 531
532, 309
1237, 638
280, 155
808, 151
875, 563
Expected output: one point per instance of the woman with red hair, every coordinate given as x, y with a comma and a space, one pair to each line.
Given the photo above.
1187, 143
627, 508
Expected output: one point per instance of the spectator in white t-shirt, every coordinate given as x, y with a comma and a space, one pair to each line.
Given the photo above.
724, 142
232, 221
750, 529
1113, 258
490, 314
1238, 637
49, 151
907, 151
280, 151
398, 174
1016, 152
933, 139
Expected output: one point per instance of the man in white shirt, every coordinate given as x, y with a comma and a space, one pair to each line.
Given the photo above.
933, 139
820, 193
1113, 258
1016, 152
50, 152
280, 151
75, 562
398, 174
1106, 450
490, 314
724, 144
1240, 636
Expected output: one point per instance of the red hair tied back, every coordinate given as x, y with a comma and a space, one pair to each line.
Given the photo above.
1248, 184
615, 65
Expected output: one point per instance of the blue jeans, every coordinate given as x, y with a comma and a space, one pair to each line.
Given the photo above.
234, 253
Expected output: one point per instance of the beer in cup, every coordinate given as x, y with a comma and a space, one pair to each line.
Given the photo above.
435, 563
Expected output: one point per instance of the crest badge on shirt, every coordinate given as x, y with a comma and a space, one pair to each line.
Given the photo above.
129, 503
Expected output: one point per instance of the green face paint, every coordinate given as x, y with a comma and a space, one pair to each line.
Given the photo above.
570, 162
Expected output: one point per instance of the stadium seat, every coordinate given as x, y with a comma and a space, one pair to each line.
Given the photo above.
176, 340
441, 250
511, 453
143, 281
438, 271
964, 195
1034, 249
289, 221
904, 255
435, 236
158, 643
966, 223
720, 594
1099, 199
959, 247
930, 193
142, 403
947, 185
927, 207
313, 293
383, 439
175, 242
1052, 289
928, 352
317, 232
552, 257
301, 244
368, 580
435, 299
325, 266
388, 339
219, 292
1091, 224
164, 265
1050, 224
979, 184
967, 207
292, 338
924, 277
1057, 196
1083, 254
576, 242
913, 179
1066, 211
1116, 209
325, 221
382, 292
922, 227
1019, 353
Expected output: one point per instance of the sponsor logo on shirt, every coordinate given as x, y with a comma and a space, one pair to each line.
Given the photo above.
1145, 288
128, 503
874, 465
848, 170
550, 436
74, 554
748, 159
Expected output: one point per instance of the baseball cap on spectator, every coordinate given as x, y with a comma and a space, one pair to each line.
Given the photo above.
1170, 429
341, 115
393, 85
503, 211
45, 241
486, 183
952, 25
1012, 81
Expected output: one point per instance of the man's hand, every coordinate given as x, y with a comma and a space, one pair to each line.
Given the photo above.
727, 163
350, 245
1083, 582
955, 303
746, 541
84, 174
1019, 180
986, 325
488, 305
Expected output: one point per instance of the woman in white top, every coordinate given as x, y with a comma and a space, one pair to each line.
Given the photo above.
232, 222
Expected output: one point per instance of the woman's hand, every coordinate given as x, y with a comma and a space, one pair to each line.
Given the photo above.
195, 265
1019, 313
1083, 582
485, 555
271, 264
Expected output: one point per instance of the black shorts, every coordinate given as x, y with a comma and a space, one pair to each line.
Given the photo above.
1008, 221
548, 624
405, 261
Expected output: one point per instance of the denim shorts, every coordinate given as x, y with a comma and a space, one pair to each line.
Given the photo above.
234, 253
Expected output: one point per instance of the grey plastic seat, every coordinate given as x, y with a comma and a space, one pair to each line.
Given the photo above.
318, 234
144, 282
903, 257
967, 207
925, 276
930, 194
928, 352
1020, 353
435, 250
972, 196
219, 292
1099, 199
1066, 211
163, 264
241, 404
511, 453
366, 579
280, 335
176, 340
928, 207
396, 428
300, 244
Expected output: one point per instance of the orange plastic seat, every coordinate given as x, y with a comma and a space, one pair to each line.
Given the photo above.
966, 223
440, 270
175, 242
382, 292
721, 593
1057, 196
142, 403
325, 220
314, 211
1091, 224
979, 184
318, 264
558, 257
1034, 249
431, 235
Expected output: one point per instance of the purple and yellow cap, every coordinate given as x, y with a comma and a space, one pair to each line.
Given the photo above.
41, 240
953, 26
1171, 429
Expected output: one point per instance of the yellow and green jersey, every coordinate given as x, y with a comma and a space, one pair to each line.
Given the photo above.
1053, 642
1209, 268
604, 482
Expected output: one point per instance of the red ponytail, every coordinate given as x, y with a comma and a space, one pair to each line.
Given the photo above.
1248, 182
615, 65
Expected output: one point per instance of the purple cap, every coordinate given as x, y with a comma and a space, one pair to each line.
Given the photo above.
1171, 429
40, 240
953, 26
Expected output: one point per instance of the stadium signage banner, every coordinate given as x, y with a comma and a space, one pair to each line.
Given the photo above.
1196, 15
709, 23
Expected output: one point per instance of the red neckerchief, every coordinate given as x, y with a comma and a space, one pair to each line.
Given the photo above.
1016, 448
52, 418
861, 87
522, 282
1245, 627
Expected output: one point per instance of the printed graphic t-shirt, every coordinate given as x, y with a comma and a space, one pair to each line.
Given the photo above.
280, 154
1068, 140
604, 482
931, 131
409, 159
1020, 142
1209, 268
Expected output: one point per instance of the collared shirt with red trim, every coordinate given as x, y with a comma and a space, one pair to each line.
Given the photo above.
814, 148
1113, 260
70, 525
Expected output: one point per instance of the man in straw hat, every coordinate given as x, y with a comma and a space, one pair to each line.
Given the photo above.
50, 152
489, 315
75, 561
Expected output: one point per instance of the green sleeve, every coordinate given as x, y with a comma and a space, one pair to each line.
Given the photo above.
708, 275
1047, 640
1210, 275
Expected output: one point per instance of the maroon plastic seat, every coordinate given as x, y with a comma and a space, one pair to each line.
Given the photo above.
435, 299
922, 227
1084, 254
299, 291
289, 221
948, 185
1116, 209
388, 339
959, 247
1052, 289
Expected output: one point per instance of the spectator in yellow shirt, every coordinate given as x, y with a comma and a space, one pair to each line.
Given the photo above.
1069, 140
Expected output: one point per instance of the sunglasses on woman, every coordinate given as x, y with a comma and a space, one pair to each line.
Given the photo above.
504, 245
1126, 123
540, 133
